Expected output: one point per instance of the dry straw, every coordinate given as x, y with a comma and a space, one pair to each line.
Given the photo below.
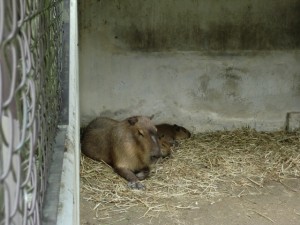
206, 166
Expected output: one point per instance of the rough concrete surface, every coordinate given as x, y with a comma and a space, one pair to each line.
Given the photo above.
193, 25
229, 63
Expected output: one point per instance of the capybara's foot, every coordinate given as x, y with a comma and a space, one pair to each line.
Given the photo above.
136, 185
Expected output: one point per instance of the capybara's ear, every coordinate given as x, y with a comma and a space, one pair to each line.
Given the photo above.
151, 117
132, 120
177, 128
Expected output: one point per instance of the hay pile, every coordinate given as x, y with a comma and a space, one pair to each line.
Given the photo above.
208, 165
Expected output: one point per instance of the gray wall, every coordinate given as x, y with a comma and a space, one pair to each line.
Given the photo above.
206, 65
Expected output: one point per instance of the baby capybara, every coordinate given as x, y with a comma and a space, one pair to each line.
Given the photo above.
127, 146
170, 133
165, 146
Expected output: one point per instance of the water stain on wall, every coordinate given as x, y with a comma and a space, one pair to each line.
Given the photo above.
296, 83
229, 25
232, 80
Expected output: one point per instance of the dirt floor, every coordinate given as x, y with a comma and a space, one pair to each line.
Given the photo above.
275, 203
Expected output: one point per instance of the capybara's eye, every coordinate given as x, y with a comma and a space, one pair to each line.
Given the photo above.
141, 132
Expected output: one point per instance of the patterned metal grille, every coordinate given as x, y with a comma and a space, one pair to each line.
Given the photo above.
30, 67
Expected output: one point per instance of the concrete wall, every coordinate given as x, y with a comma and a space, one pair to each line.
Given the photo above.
69, 202
206, 65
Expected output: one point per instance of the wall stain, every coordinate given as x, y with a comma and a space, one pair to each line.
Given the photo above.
231, 73
232, 78
159, 27
296, 83
204, 82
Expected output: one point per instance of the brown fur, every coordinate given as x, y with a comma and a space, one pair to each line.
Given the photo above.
168, 134
165, 147
126, 145
171, 133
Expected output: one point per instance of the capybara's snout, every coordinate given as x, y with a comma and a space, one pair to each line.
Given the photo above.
155, 147
156, 151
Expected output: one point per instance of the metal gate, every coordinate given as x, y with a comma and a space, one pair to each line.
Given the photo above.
30, 103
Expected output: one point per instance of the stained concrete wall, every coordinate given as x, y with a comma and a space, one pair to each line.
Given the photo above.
206, 65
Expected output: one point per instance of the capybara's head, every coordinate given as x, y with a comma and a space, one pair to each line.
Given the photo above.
181, 132
145, 134
165, 146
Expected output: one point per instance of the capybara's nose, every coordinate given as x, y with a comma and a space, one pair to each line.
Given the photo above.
157, 152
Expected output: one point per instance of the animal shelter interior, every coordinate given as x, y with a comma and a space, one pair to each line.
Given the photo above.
203, 64
227, 71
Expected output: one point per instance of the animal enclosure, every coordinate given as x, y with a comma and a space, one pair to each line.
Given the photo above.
228, 71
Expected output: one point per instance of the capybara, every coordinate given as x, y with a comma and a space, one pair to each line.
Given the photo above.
165, 146
127, 146
171, 133
99, 122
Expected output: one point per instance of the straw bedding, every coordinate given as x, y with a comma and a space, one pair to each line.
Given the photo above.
207, 166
